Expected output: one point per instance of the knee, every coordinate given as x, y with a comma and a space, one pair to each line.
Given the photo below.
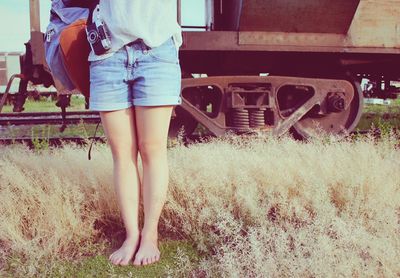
150, 149
124, 152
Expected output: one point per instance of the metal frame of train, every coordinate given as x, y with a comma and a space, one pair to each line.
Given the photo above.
273, 65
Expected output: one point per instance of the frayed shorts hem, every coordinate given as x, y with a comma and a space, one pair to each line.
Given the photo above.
157, 101
154, 101
110, 106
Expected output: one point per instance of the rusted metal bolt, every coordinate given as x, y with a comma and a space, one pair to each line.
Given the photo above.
335, 103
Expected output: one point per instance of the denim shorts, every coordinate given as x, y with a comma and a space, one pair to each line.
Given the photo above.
136, 75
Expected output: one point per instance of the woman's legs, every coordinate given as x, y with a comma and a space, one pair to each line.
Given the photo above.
119, 128
152, 124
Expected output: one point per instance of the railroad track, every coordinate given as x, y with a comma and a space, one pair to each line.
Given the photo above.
192, 139
76, 117
36, 118
52, 141
59, 141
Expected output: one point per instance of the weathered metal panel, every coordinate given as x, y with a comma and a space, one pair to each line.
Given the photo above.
294, 16
275, 41
375, 28
376, 24
292, 39
226, 14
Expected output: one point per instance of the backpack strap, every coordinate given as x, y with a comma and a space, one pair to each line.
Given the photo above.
91, 11
81, 3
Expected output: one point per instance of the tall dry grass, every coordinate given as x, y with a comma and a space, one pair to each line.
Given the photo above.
254, 207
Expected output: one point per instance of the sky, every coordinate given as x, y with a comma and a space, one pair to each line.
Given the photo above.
14, 20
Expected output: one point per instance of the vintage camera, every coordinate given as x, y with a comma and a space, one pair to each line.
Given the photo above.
98, 37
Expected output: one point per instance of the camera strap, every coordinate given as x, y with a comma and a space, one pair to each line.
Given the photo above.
91, 8
89, 21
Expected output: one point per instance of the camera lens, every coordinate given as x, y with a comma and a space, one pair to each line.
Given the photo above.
92, 36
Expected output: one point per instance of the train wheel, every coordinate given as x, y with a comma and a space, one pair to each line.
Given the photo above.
339, 123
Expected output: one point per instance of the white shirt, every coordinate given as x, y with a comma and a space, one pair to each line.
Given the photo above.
153, 21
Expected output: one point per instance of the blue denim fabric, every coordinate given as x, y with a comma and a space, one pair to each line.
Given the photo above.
136, 75
60, 17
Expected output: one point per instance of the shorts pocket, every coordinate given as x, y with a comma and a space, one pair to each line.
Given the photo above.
166, 52
117, 58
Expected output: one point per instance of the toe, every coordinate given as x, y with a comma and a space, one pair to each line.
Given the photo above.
137, 261
111, 257
118, 260
124, 262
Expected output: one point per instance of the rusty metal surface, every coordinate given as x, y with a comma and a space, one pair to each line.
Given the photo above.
4, 96
36, 40
178, 12
34, 8
336, 123
281, 124
294, 16
376, 24
226, 14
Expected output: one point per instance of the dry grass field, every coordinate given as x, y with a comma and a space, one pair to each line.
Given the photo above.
249, 207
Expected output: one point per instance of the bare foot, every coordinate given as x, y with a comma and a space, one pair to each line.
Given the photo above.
148, 251
125, 253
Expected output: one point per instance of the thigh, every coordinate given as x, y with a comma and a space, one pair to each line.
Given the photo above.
120, 130
108, 87
152, 124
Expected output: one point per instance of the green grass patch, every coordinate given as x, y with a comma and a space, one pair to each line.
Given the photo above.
177, 256
45, 104
48, 104
368, 120
394, 107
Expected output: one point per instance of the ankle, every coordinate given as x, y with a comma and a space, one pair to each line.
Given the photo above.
132, 236
149, 235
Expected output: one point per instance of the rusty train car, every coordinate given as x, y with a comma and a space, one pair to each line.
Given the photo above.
274, 65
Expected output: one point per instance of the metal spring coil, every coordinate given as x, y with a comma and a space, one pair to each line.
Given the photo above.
256, 118
240, 118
